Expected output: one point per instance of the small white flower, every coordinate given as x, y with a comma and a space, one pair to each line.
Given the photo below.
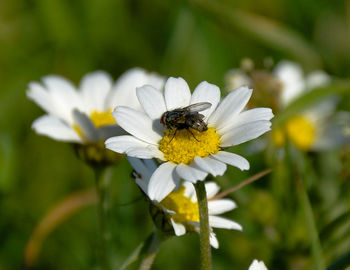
257, 265
84, 115
181, 205
295, 83
188, 156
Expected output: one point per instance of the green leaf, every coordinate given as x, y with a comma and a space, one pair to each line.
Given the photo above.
341, 263
314, 96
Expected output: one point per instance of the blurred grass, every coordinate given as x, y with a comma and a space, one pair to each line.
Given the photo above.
199, 41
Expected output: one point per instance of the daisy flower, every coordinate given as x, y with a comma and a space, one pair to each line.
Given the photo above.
257, 265
180, 207
313, 129
187, 153
83, 115
316, 128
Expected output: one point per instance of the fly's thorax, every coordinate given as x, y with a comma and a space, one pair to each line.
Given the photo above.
196, 122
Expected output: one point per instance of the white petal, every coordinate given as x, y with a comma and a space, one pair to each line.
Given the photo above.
210, 165
64, 96
41, 97
84, 123
142, 184
109, 131
317, 78
245, 133
163, 181
231, 105
152, 101
223, 223
213, 240
150, 164
212, 189
189, 189
141, 167
232, 159
245, 117
256, 265
137, 124
179, 228
177, 93
95, 86
146, 153
124, 91
143, 173
55, 128
292, 78
190, 173
206, 92
131, 145
217, 207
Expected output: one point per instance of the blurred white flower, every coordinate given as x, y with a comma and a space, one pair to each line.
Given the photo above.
257, 265
188, 154
83, 115
180, 207
295, 83
316, 128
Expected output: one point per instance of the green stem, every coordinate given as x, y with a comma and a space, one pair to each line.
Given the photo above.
204, 225
316, 248
147, 249
150, 249
102, 184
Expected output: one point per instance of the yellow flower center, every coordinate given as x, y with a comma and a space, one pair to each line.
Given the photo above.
301, 132
182, 146
184, 208
100, 119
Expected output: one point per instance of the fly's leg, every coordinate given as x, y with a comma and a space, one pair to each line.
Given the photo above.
192, 134
173, 136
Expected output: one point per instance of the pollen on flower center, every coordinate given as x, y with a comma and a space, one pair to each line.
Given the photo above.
182, 146
104, 118
301, 132
184, 208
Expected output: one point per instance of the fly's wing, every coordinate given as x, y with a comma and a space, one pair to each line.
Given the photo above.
198, 107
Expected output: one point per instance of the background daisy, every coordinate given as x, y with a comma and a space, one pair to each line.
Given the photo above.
84, 115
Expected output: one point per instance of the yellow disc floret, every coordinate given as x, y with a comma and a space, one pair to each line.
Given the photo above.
184, 208
182, 146
99, 119
104, 118
301, 132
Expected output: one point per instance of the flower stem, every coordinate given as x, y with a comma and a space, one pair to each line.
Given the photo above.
102, 184
204, 225
150, 249
316, 247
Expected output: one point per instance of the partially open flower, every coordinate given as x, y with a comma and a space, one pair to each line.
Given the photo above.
180, 208
188, 153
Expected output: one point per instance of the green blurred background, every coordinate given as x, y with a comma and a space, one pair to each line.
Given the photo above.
197, 40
